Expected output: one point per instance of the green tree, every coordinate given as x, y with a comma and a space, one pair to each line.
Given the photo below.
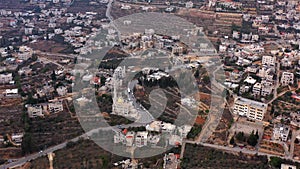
27, 143
240, 136
206, 79
30, 99
34, 57
70, 144
232, 142
53, 76
289, 93
256, 134
75, 60
197, 74
235, 27
194, 131
275, 162
252, 140
105, 161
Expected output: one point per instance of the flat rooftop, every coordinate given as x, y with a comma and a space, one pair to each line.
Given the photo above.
252, 103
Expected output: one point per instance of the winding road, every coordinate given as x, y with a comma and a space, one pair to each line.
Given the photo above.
145, 116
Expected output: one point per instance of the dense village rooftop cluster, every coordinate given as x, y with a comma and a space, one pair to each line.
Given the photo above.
259, 55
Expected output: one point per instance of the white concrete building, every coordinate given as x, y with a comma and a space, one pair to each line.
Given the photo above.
58, 31
268, 60
257, 89
235, 35
251, 109
189, 4
35, 111
266, 73
285, 62
119, 137
287, 78
28, 31
252, 68
295, 119
168, 127
129, 139
24, 56
287, 166
250, 80
70, 19
120, 72
11, 92
177, 49
55, 106
25, 53
17, 138
52, 25
141, 138
281, 132
6, 78
154, 126
62, 90
266, 90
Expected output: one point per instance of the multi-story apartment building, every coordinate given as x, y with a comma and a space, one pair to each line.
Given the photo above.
35, 110
268, 60
281, 132
266, 90
251, 109
256, 89
55, 106
141, 138
6, 78
262, 89
120, 72
62, 91
287, 78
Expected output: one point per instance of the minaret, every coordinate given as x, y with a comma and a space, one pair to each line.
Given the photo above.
115, 97
115, 88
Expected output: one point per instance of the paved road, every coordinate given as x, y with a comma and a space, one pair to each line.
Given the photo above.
278, 95
108, 10
145, 116
210, 126
216, 110
237, 150
215, 114
295, 133
25, 159
111, 19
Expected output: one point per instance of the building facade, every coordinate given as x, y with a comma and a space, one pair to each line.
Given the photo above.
287, 78
251, 109
35, 111
268, 60
6, 78
55, 106
281, 132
